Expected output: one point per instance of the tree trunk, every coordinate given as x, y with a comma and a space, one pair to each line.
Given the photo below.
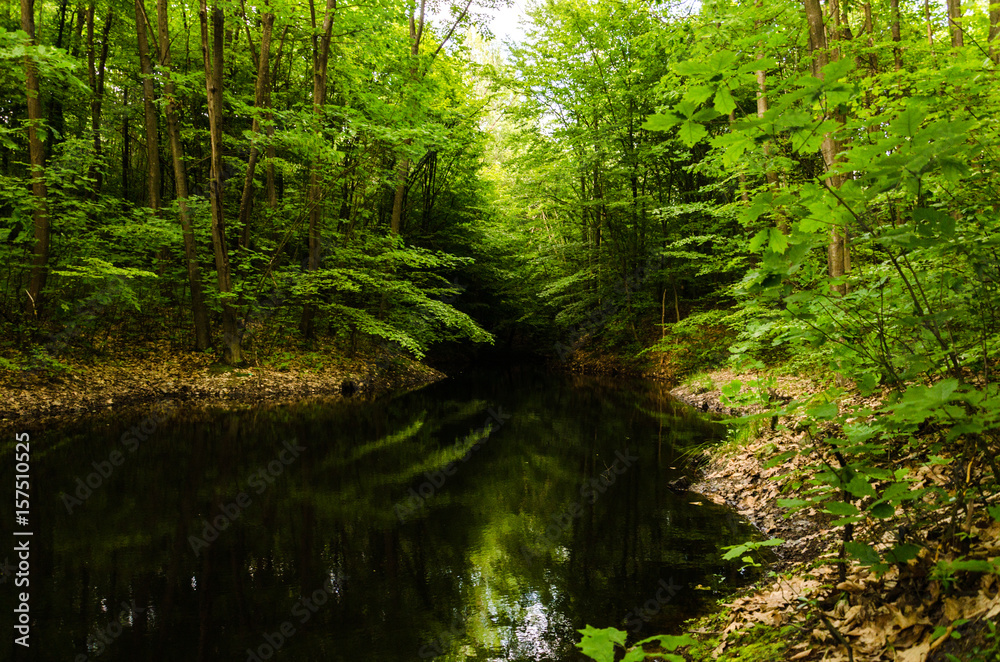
994, 30
36, 153
870, 31
930, 26
403, 166
149, 108
95, 72
837, 253
126, 148
314, 197
272, 194
896, 37
212, 56
770, 174
202, 337
955, 23
262, 99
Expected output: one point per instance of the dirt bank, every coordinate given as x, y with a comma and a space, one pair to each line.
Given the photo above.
34, 398
805, 610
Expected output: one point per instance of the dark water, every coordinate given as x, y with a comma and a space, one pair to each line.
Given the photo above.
294, 532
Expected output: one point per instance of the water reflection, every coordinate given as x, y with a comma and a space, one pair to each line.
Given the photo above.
483, 518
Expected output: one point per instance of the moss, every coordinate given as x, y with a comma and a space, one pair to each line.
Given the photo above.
758, 642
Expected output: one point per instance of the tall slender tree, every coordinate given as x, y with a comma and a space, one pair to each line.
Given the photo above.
994, 34
95, 74
212, 55
262, 101
150, 114
36, 154
838, 257
314, 194
200, 311
955, 23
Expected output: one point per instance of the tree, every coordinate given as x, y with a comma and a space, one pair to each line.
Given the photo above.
838, 254
201, 329
40, 260
150, 114
314, 199
212, 56
262, 101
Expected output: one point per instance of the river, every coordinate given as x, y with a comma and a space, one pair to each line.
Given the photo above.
485, 517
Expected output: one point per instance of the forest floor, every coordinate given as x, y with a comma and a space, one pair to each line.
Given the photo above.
804, 610
146, 374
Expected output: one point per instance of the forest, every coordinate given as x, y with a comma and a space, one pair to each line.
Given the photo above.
659, 188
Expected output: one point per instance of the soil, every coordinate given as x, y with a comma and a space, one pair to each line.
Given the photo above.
812, 611
31, 399
741, 480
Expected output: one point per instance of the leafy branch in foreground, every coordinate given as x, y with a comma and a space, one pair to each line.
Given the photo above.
601, 645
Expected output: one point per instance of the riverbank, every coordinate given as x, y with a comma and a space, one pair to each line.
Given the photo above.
146, 375
805, 610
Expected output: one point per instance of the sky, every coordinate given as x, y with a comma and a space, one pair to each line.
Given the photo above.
505, 21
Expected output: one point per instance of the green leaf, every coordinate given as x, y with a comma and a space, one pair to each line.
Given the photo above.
758, 241
864, 553
668, 642
661, 122
860, 487
841, 508
902, 553
691, 68
691, 132
699, 94
778, 242
600, 644
724, 102
635, 654
721, 60
907, 123
824, 411
837, 70
882, 510
868, 383
973, 565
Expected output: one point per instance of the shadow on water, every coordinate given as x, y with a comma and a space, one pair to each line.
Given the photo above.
486, 517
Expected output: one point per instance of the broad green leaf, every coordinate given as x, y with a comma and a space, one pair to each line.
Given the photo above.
882, 510
841, 508
758, 241
794, 503
686, 109
691, 132
724, 102
692, 68
825, 411
902, 553
864, 553
699, 94
907, 123
600, 644
635, 654
778, 242
860, 487
721, 60
661, 122
668, 642
837, 70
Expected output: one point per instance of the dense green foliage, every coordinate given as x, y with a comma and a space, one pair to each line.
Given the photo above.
115, 262
812, 185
